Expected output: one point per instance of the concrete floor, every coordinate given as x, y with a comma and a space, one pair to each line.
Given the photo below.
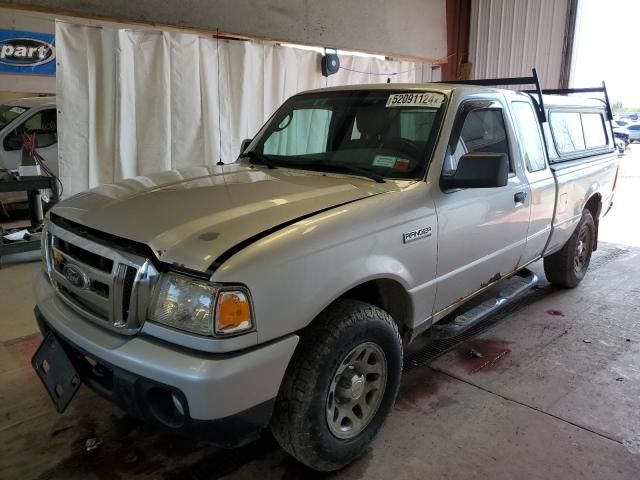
555, 394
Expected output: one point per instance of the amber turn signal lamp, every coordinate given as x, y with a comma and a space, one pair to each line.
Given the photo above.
233, 312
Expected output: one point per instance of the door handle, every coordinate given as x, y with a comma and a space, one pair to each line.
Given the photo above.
520, 197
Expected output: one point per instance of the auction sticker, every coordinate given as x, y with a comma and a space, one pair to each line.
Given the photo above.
422, 99
384, 161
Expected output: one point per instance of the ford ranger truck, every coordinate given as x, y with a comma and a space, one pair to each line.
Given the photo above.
278, 291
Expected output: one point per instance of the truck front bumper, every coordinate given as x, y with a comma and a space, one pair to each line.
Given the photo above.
226, 397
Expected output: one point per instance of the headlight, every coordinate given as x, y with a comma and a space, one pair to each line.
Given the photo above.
200, 307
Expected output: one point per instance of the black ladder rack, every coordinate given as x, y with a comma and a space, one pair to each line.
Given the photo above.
568, 91
494, 82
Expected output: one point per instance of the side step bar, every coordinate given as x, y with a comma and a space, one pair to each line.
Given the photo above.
510, 290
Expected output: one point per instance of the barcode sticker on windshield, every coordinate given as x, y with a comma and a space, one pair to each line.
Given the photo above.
384, 161
18, 110
422, 99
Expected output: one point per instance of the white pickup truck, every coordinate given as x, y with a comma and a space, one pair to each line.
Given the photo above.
278, 291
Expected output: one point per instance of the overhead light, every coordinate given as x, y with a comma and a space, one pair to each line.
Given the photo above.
361, 54
352, 53
303, 47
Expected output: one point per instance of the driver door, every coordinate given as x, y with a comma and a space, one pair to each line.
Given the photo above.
481, 231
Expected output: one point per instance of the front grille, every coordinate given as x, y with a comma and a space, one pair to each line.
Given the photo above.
86, 257
108, 286
80, 302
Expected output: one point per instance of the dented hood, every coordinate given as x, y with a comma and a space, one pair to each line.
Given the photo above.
192, 216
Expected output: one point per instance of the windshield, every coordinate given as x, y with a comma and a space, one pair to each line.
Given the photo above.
9, 113
390, 134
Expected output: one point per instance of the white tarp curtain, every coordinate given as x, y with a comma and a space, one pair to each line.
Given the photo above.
135, 102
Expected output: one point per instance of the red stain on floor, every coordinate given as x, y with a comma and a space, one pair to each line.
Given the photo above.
490, 351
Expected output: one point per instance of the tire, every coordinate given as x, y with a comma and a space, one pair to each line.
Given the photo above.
567, 267
304, 421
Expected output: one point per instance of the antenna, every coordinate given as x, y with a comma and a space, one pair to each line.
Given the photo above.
220, 162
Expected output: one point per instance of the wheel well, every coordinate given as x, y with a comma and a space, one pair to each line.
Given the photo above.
389, 295
594, 205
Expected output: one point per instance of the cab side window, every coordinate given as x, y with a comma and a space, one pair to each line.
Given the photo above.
483, 130
530, 137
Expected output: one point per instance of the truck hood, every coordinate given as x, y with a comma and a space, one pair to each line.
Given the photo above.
192, 216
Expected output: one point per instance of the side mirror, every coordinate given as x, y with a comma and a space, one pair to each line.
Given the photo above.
12, 142
245, 143
479, 170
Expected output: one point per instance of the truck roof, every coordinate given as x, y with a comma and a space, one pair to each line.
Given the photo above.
438, 87
549, 100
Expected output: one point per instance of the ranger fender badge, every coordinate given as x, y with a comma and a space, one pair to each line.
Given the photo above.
423, 232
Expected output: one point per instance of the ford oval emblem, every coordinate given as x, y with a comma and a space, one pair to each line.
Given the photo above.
75, 276
26, 52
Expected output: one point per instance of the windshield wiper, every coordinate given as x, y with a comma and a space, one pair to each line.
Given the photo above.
257, 157
349, 168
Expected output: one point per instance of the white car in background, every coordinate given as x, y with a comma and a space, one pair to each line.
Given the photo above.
27, 115
634, 132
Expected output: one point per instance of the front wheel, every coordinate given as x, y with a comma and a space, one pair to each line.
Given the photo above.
340, 385
567, 267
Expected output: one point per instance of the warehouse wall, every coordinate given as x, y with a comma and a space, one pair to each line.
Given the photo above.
415, 28
510, 37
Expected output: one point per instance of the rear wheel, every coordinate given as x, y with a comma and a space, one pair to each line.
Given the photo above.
340, 385
568, 266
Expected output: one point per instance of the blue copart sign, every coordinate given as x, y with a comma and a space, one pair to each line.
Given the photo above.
27, 52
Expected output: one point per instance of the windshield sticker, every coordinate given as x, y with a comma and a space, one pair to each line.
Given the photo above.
384, 161
430, 99
18, 110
